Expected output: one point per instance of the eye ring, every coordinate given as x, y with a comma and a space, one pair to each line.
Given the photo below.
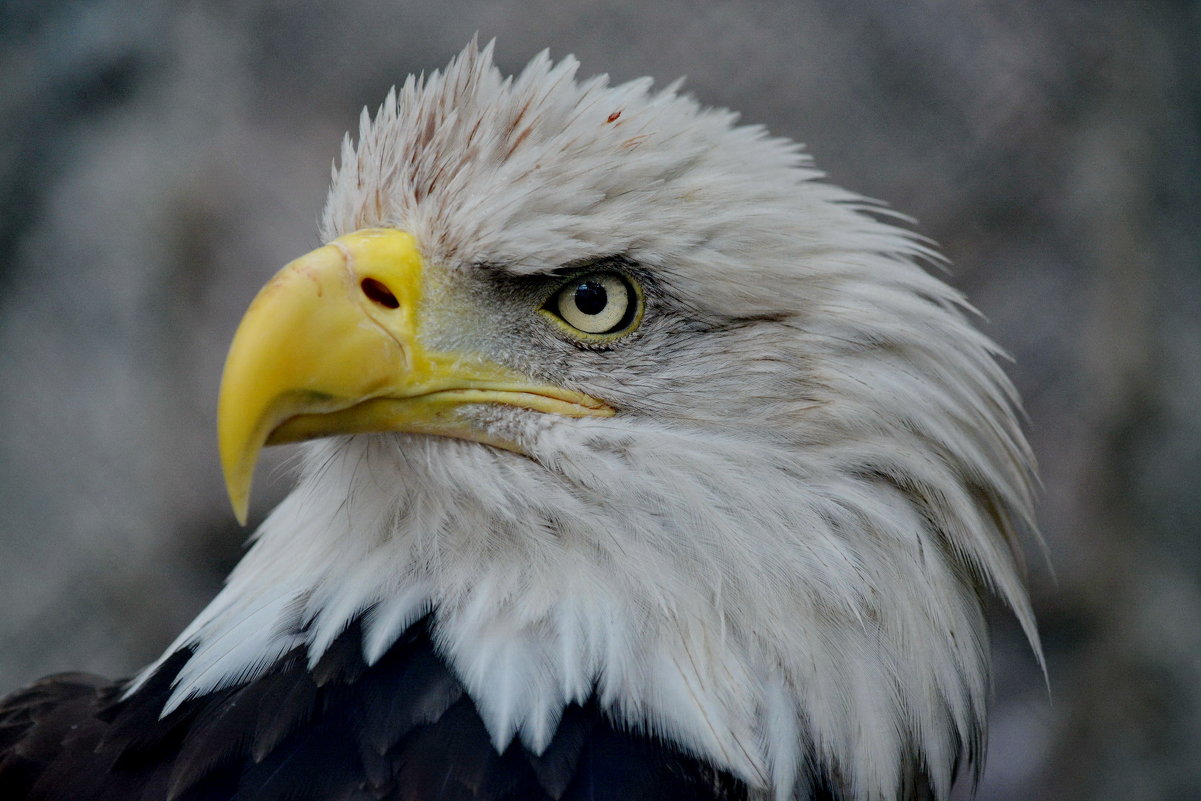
597, 306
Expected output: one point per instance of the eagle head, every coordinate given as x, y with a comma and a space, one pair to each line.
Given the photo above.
634, 408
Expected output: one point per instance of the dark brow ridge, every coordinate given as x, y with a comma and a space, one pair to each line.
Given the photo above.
614, 261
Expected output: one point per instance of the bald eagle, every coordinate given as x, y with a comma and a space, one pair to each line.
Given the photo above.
641, 464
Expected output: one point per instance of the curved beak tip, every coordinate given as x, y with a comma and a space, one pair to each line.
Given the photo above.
241, 510
237, 487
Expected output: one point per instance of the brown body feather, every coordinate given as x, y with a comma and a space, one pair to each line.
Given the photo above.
402, 730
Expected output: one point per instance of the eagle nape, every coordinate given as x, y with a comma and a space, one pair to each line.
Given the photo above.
639, 463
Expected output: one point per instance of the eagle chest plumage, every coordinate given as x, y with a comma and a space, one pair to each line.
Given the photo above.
643, 465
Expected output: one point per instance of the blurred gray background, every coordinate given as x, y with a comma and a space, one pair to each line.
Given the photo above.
158, 162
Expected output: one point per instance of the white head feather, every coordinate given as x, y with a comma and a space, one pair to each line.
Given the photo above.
775, 554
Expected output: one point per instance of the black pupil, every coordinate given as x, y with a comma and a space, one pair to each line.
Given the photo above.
591, 297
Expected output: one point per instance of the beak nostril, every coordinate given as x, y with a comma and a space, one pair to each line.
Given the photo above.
378, 293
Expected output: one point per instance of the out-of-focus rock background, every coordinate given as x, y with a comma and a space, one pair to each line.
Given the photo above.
159, 161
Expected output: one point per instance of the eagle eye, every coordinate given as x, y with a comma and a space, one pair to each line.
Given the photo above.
600, 304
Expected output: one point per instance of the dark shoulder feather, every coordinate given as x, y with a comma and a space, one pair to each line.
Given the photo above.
402, 729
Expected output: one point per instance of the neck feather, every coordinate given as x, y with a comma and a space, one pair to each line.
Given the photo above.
750, 632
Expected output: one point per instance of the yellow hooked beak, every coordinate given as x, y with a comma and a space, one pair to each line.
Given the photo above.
331, 345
